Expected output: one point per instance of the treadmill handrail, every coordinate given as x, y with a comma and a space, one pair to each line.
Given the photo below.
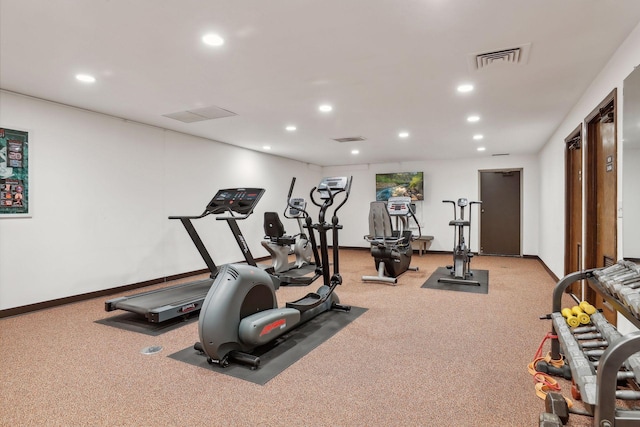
232, 215
205, 213
197, 241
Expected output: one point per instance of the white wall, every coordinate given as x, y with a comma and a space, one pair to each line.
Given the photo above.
631, 205
551, 249
101, 191
442, 180
552, 196
102, 188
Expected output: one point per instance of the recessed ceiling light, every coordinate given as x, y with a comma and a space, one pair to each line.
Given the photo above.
212, 40
403, 134
355, 151
85, 78
481, 148
465, 88
266, 147
325, 108
473, 119
290, 128
478, 137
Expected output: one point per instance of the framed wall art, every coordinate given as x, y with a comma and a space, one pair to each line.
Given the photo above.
14, 172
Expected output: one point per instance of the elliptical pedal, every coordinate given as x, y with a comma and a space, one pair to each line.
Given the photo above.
307, 302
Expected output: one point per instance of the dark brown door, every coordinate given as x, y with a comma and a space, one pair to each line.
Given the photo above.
573, 229
601, 194
500, 212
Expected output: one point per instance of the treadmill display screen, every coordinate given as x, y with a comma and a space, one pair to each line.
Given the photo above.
240, 200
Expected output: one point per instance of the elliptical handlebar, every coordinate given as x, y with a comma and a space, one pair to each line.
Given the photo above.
300, 208
471, 204
328, 193
454, 206
413, 215
293, 183
346, 196
324, 206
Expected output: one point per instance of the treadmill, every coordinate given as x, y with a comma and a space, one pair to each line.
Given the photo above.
160, 305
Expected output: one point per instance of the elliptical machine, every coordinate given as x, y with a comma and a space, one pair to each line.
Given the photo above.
240, 312
461, 269
391, 247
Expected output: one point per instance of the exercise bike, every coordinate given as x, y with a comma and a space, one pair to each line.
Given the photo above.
461, 269
307, 267
302, 248
241, 313
391, 246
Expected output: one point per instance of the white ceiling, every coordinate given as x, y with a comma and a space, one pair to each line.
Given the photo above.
384, 65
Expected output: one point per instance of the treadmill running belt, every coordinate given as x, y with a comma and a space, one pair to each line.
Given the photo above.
165, 303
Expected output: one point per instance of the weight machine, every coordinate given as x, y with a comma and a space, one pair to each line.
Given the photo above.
604, 364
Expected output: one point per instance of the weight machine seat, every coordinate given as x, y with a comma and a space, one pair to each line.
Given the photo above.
274, 230
381, 232
459, 223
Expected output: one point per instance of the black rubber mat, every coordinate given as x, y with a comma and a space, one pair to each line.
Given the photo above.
481, 276
135, 323
283, 352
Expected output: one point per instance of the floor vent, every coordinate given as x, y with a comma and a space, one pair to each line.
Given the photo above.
517, 55
350, 139
200, 114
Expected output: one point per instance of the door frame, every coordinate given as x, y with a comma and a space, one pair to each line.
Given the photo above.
590, 200
578, 287
591, 230
521, 171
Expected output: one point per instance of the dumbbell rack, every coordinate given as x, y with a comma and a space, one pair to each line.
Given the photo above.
598, 388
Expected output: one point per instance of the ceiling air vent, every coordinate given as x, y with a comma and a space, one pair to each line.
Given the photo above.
515, 55
500, 154
200, 114
350, 139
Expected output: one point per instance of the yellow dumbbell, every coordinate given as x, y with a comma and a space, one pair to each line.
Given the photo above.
581, 315
572, 320
587, 308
